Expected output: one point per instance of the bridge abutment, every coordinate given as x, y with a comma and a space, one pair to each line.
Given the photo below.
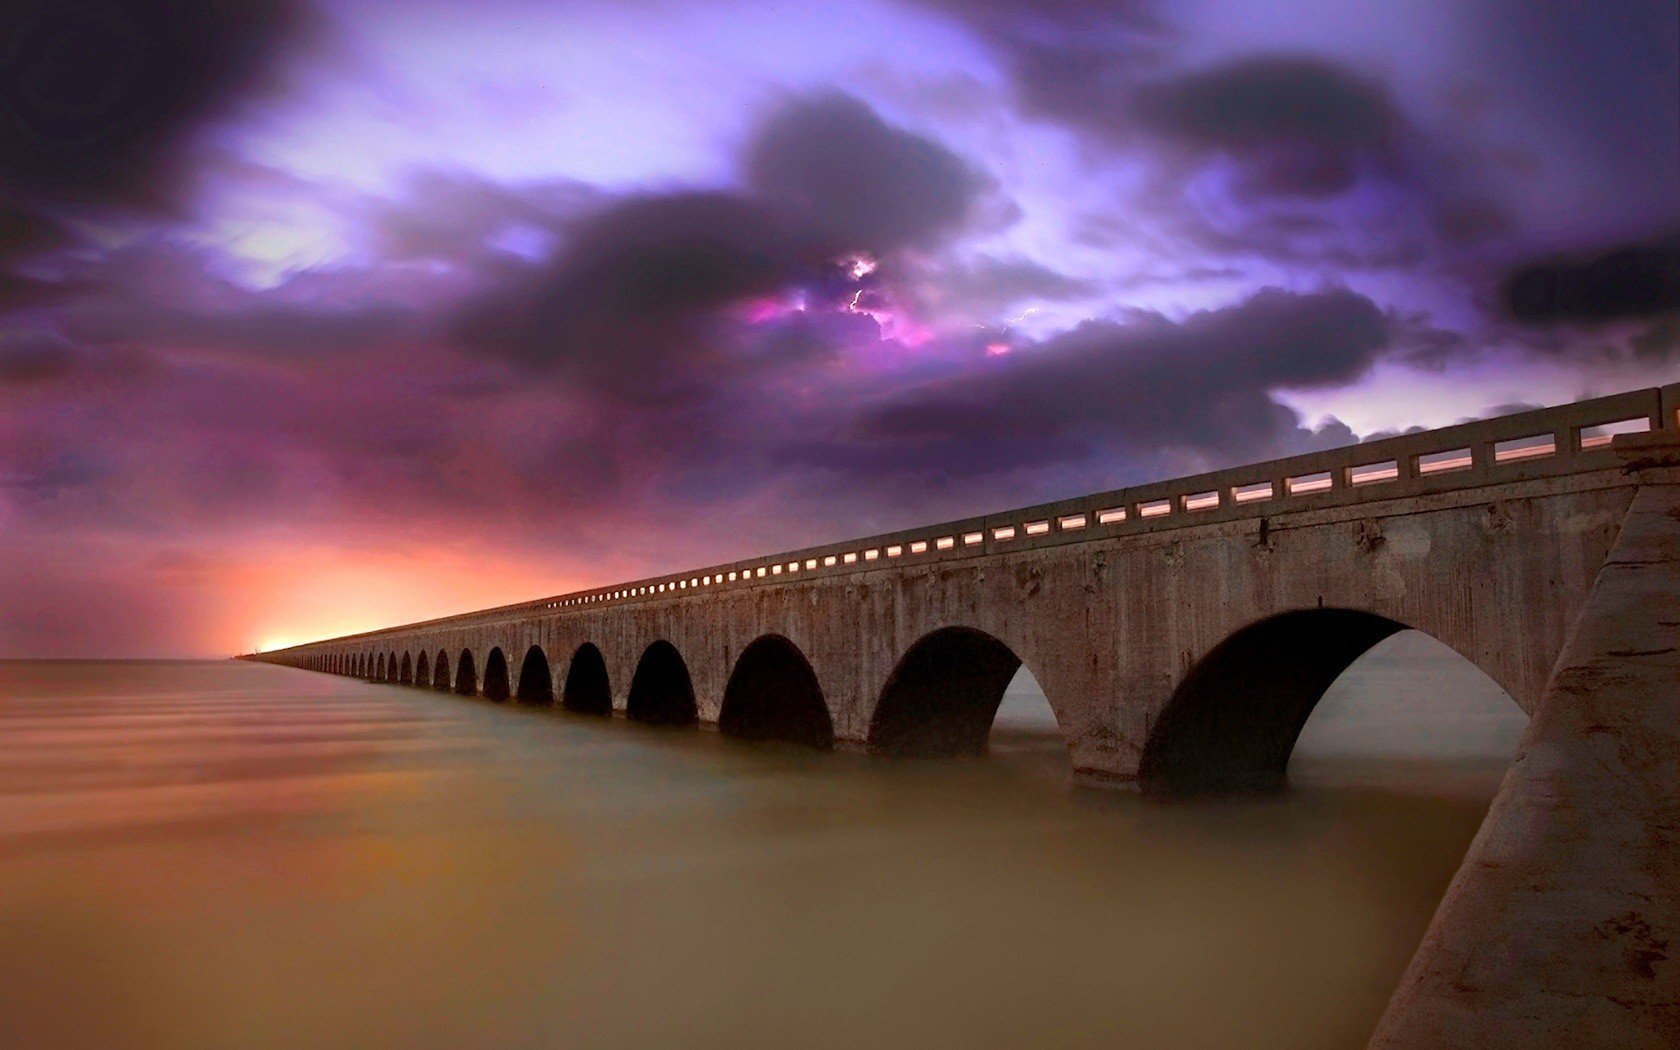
1562, 927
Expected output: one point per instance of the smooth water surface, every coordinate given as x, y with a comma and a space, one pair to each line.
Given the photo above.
239, 855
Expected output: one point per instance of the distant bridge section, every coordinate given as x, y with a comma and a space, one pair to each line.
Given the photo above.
1182, 632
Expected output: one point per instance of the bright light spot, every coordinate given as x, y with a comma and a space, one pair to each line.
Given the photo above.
997, 349
859, 265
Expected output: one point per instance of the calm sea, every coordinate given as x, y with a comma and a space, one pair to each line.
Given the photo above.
236, 855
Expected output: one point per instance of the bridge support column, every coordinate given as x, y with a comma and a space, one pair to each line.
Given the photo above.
1562, 927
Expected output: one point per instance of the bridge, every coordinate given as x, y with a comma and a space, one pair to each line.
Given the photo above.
1182, 632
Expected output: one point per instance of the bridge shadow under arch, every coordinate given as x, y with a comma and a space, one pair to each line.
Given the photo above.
466, 674
1232, 723
495, 686
773, 694
422, 671
587, 689
379, 668
391, 667
406, 674
942, 697
536, 686
661, 692
441, 679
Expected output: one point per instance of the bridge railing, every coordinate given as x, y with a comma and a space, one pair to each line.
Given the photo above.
1567, 439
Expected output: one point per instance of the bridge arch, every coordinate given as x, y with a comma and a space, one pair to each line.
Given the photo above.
773, 694
391, 667
422, 670
466, 674
440, 672
536, 685
1234, 720
379, 668
495, 686
942, 696
661, 692
406, 675
587, 689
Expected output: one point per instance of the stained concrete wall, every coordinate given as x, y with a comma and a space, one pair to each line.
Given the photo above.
1562, 927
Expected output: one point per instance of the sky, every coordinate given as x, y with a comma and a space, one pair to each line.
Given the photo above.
321, 316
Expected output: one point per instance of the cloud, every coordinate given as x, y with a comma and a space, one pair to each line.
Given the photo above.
631, 303
622, 306
987, 284
1300, 126
98, 102
97, 95
858, 183
1627, 282
1202, 384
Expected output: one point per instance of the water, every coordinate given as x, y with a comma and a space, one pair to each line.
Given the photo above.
235, 855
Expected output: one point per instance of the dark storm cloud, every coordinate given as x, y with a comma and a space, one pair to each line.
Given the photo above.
621, 306
857, 182
1623, 283
97, 101
97, 95
628, 303
1301, 126
1202, 384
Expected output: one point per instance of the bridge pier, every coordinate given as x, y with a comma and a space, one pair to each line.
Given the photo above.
1562, 927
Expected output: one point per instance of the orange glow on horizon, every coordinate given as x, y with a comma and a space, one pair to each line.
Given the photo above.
298, 596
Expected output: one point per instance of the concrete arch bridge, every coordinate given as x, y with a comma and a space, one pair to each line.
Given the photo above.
1182, 632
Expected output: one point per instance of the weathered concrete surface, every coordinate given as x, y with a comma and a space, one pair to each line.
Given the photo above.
1562, 928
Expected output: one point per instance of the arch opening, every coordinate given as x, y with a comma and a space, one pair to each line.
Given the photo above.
496, 676
587, 689
661, 692
379, 668
406, 675
466, 674
440, 672
391, 667
535, 684
1233, 722
422, 671
1411, 715
773, 694
942, 697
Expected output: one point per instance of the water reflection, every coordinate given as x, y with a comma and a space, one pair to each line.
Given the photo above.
215, 855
